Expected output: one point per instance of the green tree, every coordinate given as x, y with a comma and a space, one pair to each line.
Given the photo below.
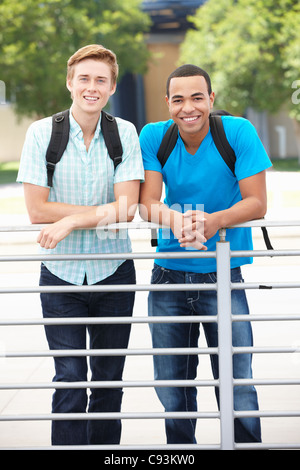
251, 48
37, 38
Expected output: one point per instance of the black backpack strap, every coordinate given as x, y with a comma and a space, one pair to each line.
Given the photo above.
165, 149
58, 142
111, 137
167, 144
266, 238
221, 142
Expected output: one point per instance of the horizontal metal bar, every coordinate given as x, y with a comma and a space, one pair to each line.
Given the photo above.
108, 320
160, 447
117, 415
267, 350
264, 285
139, 256
106, 288
110, 384
266, 446
144, 225
109, 256
142, 384
268, 223
144, 287
266, 381
266, 414
261, 253
110, 352
253, 317
141, 320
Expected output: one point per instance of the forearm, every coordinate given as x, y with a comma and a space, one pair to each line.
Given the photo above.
106, 214
121, 210
157, 212
51, 212
247, 209
42, 211
243, 211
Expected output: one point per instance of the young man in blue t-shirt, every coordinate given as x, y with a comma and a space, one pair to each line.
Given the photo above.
202, 195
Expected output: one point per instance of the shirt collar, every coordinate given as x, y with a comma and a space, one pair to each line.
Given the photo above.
75, 128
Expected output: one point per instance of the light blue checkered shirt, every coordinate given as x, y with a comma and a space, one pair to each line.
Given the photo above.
83, 178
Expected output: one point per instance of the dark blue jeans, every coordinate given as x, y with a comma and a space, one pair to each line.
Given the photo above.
74, 369
185, 335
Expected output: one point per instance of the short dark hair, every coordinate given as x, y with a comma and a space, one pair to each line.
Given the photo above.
189, 70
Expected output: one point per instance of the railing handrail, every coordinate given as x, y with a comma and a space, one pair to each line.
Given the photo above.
225, 349
151, 225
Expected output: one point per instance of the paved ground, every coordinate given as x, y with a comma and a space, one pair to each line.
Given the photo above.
283, 189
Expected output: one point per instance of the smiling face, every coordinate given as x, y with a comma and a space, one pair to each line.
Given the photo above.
91, 86
189, 105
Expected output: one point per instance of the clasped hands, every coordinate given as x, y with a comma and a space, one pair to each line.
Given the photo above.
195, 229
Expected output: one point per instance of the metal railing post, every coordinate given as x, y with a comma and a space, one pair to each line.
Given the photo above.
225, 343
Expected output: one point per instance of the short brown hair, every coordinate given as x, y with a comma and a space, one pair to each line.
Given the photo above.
97, 52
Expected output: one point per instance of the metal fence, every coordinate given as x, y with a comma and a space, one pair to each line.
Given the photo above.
226, 382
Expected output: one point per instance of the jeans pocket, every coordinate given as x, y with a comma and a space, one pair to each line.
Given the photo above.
212, 277
157, 274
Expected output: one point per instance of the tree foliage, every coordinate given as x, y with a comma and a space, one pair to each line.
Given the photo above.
251, 48
37, 38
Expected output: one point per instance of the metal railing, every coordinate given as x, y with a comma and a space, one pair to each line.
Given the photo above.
225, 350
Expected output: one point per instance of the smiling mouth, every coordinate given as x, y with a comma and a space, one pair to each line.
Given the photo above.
190, 119
91, 99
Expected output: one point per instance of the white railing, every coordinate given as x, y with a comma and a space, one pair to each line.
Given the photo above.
226, 383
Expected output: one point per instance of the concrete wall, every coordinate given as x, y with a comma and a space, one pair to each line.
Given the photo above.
165, 56
12, 134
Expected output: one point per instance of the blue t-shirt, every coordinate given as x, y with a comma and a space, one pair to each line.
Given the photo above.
203, 181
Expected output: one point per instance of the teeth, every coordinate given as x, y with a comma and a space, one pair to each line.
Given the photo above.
90, 98
190, 119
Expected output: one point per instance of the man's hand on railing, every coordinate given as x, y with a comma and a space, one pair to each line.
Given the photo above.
192, 232
52, 234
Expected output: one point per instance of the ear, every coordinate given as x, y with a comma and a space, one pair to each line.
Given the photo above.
212, 99
113, 89
69, 84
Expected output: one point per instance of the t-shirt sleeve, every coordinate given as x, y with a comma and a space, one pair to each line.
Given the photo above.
251, 156
150, 140
32, 167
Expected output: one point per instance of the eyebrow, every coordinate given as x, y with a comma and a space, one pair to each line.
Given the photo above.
87, 75
199, 93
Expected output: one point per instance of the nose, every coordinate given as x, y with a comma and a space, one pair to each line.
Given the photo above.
92, 85
188, 106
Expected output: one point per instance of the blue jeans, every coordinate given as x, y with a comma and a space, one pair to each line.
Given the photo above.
74, 369
184, 367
